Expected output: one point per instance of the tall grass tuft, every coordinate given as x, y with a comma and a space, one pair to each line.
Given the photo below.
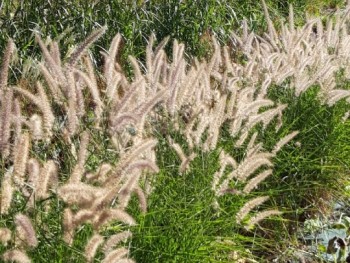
187, 161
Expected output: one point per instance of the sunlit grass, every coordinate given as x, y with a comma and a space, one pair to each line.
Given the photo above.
181, 224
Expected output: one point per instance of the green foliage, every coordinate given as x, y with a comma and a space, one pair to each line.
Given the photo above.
181, 224
192, 22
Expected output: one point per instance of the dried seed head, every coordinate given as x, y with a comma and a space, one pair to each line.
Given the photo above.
260, 216
114, 240
16, 256
249, 206
6, 193
20, 159
5, 235
25, 230
68, 226
92, 246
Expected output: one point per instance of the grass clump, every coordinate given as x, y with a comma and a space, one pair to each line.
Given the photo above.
213, 160
187, 21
